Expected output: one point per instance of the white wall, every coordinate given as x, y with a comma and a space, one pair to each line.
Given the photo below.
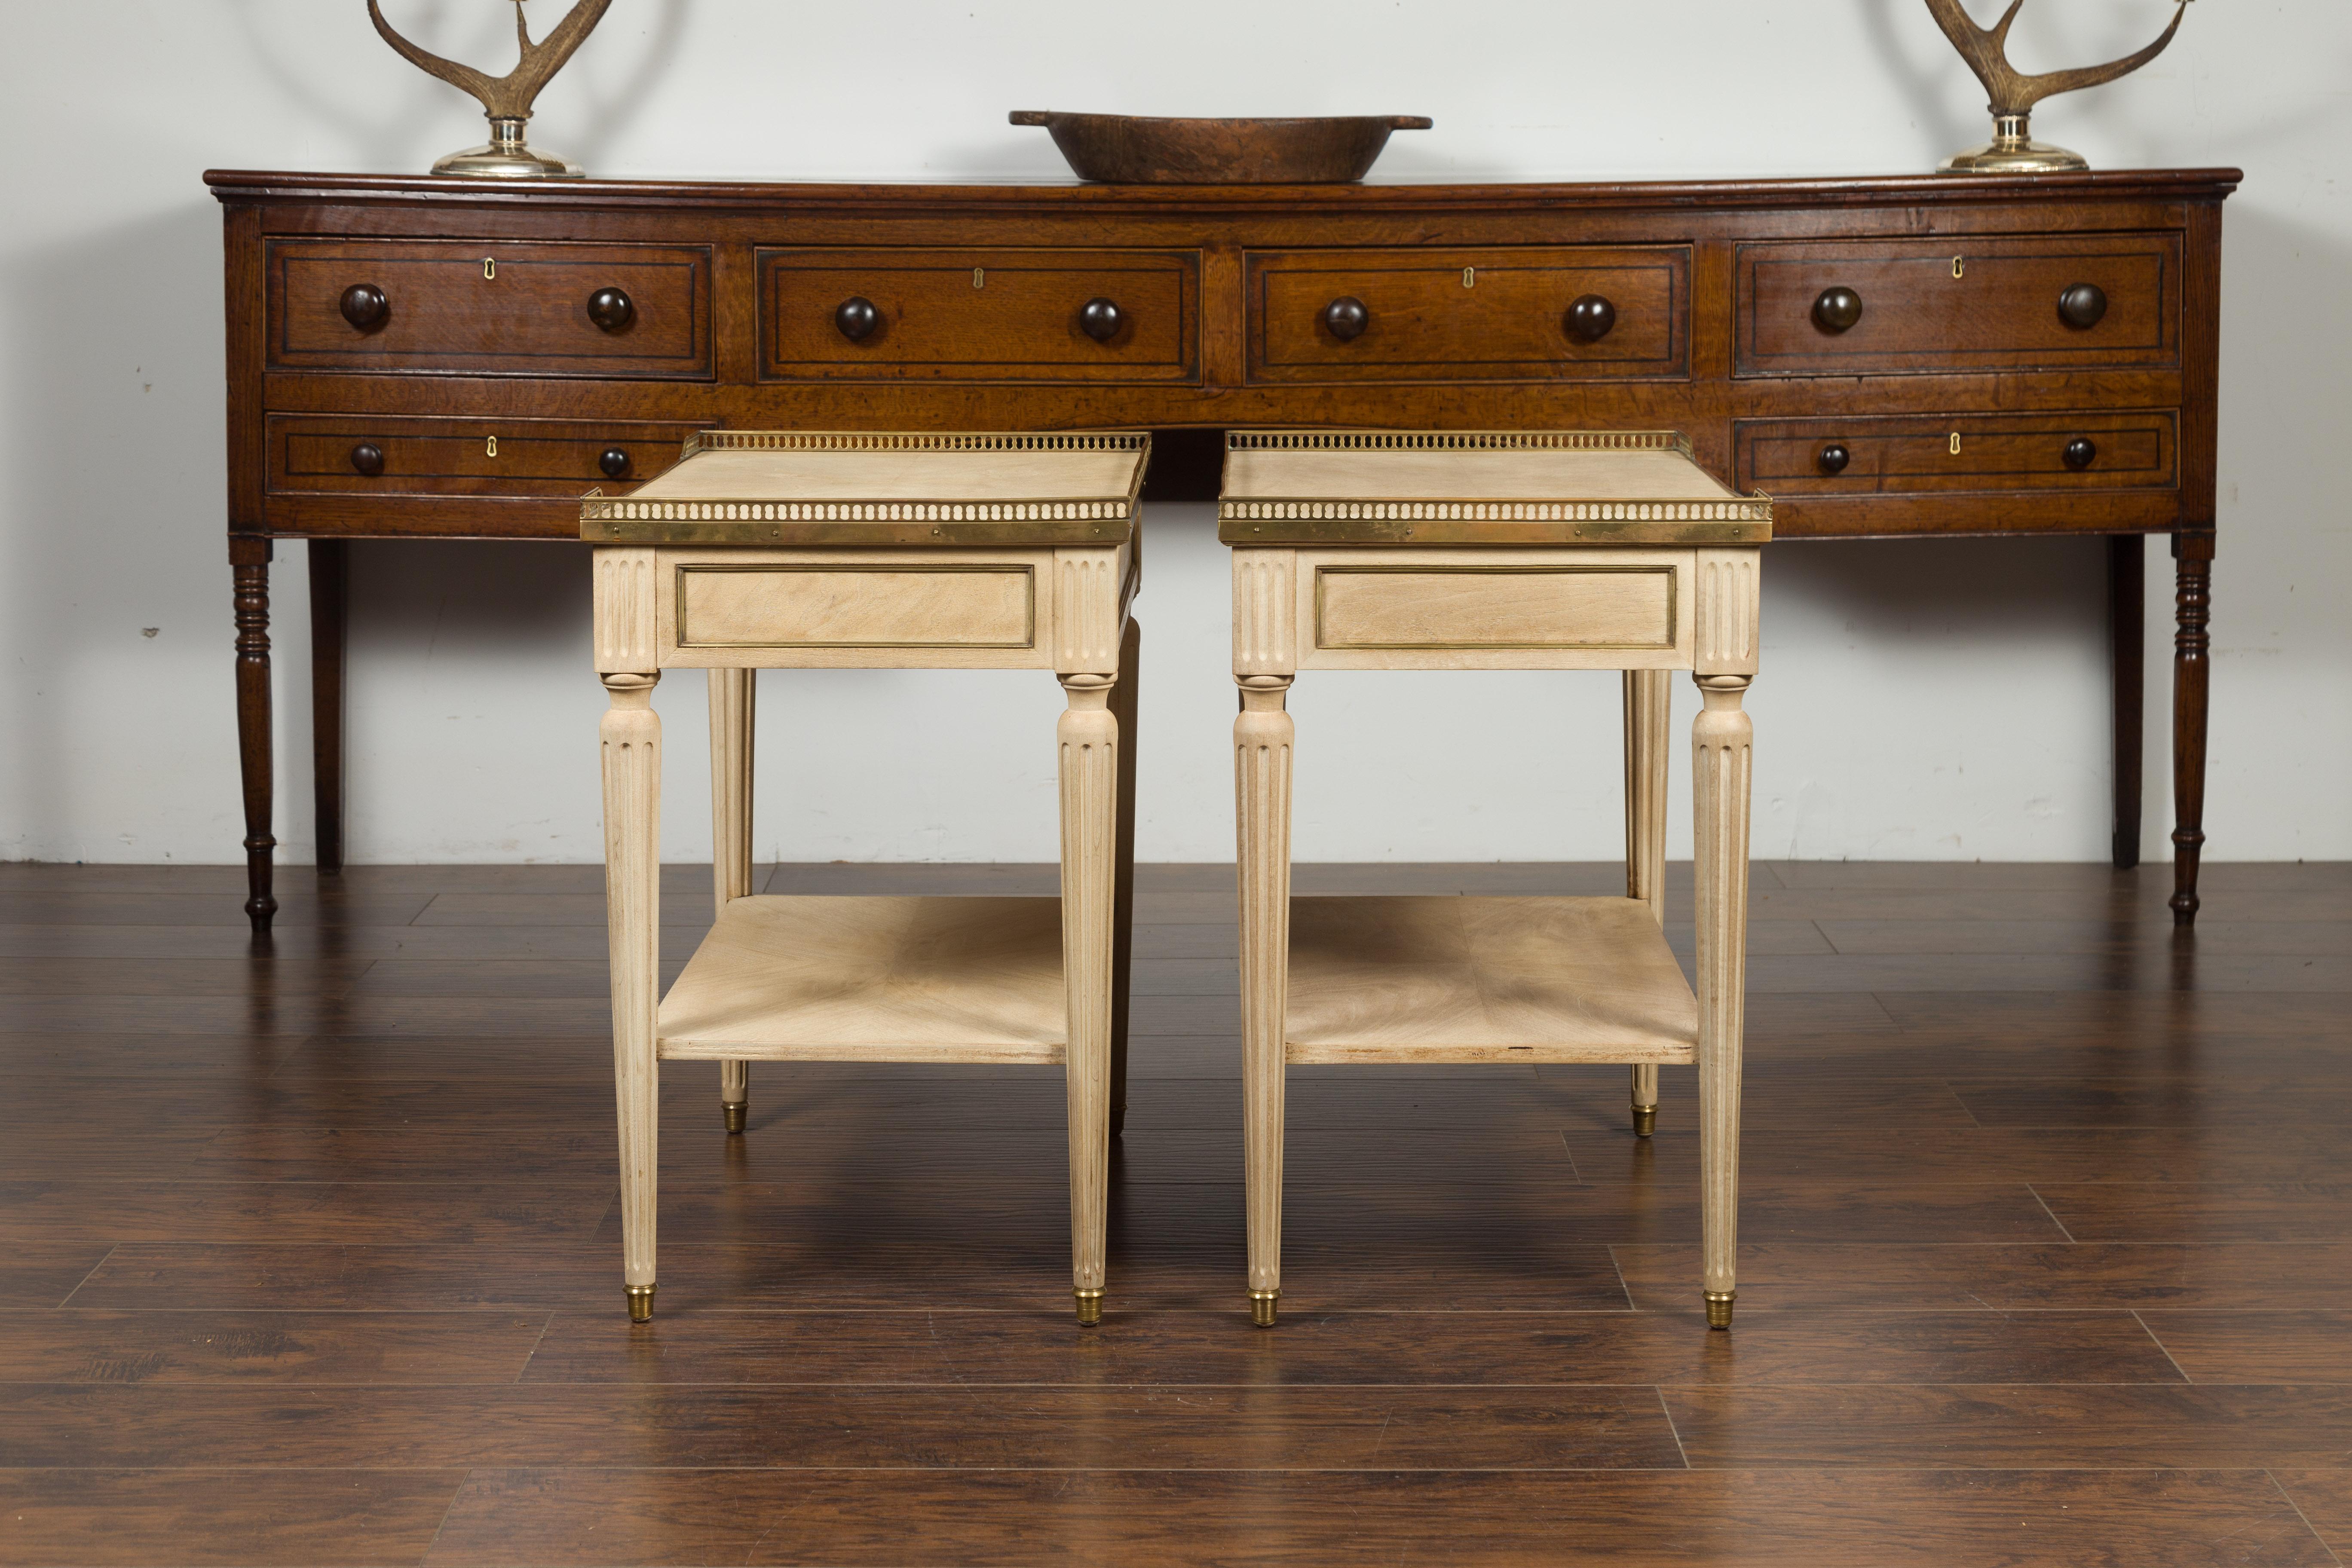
1933, 699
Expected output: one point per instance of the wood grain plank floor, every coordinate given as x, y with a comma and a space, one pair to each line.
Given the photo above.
312, 1255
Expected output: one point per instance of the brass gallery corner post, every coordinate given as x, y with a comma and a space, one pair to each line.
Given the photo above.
1898, 357
1494, 550
860, 551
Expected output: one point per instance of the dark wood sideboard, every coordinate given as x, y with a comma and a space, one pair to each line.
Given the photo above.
433, 358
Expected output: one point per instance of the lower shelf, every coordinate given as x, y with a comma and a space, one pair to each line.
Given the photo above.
1473, 980
873, 978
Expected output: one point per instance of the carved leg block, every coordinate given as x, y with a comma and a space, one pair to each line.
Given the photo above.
1721, 768
1263, 736
1088, 736
250, 573
2192, 663
1648, 696
1122, 708
632, 758
731, 729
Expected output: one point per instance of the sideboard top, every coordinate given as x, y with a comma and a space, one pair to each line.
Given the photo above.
235, 185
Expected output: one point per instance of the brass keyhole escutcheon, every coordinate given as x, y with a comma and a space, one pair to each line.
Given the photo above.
1469, 278
1957, 266
1955, 443
491, 448
980, 277
489, 266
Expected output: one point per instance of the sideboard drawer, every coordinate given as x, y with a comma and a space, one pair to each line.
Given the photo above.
1418, 314
1926, 306
489, 307
979, 315
363, 454
1931, 453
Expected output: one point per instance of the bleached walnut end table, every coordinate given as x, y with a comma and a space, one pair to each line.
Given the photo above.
1464, 550
807, 550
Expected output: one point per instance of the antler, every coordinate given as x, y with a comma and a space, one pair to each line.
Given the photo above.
508, 97
1987, 52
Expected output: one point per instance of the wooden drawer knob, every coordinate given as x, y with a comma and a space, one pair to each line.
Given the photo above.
1101, 320
368, 458
1834, 457
614, 461
1836, 308
1344, 318
2082, 305
2081, 453
856, 318
1590, 316
365, 307
611, 309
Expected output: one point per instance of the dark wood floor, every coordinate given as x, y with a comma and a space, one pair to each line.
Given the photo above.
312, 1252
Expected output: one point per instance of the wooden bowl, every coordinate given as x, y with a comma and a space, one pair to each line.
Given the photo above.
1131, 150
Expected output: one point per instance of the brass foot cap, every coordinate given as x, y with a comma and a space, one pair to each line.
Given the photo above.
1090, 1308
737, 1114
1645, 1120
1262, 1307
641, 1303
1718, 1309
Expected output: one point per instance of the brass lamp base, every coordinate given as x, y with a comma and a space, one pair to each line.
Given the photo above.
1645, 1120
1718, 1309
2012, 152
737, 1114
505, 156
641, 1303
1090, 1308
1262, 1305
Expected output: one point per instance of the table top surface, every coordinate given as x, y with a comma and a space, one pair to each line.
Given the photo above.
1453, 465
1482, 487
835, 488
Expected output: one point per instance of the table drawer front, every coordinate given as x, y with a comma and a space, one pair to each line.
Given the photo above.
486, 307
1494, 609
1958, 304
1928, 455
1469, 315
366, 454
977, 315
721, 604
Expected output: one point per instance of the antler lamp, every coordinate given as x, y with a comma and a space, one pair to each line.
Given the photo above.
2012, 149
506, 98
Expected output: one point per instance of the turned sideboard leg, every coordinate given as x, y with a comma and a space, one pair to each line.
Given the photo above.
330, 592
632, 748
1122, 957
2128, 639
250, 573
1263, 736
2192, 665
1089, 743
731, 726
1721, 769
1647, 696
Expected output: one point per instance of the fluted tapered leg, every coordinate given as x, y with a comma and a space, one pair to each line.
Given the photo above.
1088, 733
1122, 708
731, 693
1262, 747
1721, 770
632, 748
1647, 699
